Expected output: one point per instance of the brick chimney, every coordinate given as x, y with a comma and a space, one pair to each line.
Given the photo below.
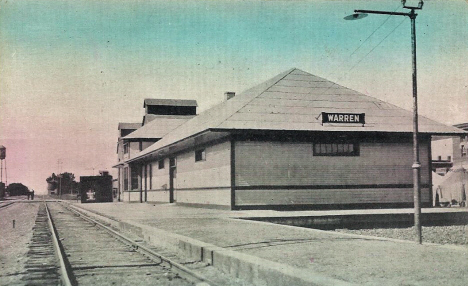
229, 94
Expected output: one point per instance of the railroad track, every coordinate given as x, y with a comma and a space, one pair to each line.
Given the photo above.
6, 205
69, 248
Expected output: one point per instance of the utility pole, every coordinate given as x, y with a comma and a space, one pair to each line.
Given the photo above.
3, 158
59, 165
60, 185
59, 175
359, 14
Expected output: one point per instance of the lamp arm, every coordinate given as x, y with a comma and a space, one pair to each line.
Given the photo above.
382, 12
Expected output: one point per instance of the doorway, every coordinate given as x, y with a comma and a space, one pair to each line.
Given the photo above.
172, 177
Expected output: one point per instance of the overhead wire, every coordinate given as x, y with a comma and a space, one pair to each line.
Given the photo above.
381, 41
359, 47
380, 26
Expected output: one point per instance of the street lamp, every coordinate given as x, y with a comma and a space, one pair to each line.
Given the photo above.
359, 14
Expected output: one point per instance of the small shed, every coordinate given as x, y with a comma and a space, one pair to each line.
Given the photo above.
96, 189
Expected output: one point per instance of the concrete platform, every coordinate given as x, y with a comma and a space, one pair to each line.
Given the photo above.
270, 254
359, 219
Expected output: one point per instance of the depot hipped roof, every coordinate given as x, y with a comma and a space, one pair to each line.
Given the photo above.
293, 101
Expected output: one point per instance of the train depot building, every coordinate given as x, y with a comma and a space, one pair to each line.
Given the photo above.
296, 141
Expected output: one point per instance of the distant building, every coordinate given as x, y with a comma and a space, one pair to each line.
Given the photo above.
452, 188
96, 188
449, 151
442, 149
463, 147
161, 116
295, 141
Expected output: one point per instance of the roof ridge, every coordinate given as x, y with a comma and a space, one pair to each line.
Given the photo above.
313, 75
375, 99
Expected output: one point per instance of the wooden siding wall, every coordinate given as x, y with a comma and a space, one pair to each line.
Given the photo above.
158, 196
124, 195
219, 197
207, 181
120, 153
120, 150
380, 174
144, 181
134, 149
327, 196
132, 196
159, 183
125, 156
146, 144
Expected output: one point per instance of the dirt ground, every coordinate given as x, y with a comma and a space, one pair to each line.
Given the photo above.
14, 242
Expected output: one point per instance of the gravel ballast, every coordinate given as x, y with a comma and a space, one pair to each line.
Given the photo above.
454, 234
15, 241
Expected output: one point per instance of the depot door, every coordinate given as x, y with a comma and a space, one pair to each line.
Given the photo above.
172, 177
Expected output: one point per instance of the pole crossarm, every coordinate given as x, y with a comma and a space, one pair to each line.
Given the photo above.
385, 13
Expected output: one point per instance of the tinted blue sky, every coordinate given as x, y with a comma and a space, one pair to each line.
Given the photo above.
71, 70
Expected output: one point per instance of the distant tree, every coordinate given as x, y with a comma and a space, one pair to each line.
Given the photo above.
2, 190
17, 189
65, 182
52, 182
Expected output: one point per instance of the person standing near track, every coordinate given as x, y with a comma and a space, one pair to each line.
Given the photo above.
32, 195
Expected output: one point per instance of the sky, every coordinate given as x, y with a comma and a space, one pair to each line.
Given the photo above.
71, 70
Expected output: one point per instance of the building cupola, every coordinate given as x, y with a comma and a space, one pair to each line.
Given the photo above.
170, 106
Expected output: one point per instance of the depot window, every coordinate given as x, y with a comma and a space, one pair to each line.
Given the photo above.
161, 164
134, 172
125, 173
200, 155
126, 148
336, 149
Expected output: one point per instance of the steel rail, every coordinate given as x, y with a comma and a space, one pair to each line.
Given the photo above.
65, 273
178, 268
5, 205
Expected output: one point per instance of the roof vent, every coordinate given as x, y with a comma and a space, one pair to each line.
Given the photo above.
104, 172
229, 94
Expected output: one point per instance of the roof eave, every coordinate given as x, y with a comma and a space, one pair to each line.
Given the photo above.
162, 149
454, 133
118, 165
